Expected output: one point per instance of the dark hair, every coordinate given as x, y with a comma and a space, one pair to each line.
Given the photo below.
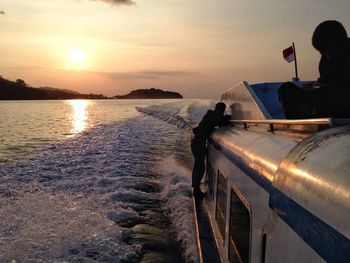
329, 34
220, 106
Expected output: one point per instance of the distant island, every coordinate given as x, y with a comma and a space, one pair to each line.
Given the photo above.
150, 94
19, 90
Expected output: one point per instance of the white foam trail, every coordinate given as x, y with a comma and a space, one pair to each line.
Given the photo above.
125, 217
175, 178
184, 115
41, 225
167, 116
178, 204
73, 201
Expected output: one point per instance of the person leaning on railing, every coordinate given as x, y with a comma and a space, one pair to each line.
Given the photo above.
199, 143
330, 95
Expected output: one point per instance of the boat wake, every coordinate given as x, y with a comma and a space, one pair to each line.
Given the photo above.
185, 115
117, 193
178, 203
101, 197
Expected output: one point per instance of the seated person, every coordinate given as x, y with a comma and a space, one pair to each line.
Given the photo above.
199, 143
330, 98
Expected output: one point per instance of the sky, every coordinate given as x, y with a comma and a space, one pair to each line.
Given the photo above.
199, 48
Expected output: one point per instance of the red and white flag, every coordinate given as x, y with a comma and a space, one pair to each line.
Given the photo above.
288, 54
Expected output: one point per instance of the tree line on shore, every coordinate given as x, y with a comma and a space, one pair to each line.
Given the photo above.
20, 90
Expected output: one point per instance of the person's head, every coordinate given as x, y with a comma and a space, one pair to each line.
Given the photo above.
220, 107
330, 39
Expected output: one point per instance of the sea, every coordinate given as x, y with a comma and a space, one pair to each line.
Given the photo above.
97, 180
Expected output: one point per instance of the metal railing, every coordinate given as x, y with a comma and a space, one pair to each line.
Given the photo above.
304, 126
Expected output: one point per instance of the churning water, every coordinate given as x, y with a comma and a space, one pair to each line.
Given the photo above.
97, 181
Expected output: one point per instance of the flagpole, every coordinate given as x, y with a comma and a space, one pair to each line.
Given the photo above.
295, 63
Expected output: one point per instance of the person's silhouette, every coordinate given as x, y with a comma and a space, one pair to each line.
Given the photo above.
330, 96
199, 143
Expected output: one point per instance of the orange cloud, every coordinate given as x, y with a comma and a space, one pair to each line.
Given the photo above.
119, 2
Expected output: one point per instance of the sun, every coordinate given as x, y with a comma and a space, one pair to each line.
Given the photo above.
77, 56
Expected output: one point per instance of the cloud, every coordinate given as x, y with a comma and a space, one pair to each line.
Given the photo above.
154, 74
21, 68
2, 12
118, 2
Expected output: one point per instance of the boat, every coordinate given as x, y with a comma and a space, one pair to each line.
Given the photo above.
277, 190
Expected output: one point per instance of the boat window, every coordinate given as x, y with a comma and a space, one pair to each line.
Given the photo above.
239, 244
221, 203
211, 174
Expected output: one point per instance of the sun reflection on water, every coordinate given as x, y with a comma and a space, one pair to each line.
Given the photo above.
79, 115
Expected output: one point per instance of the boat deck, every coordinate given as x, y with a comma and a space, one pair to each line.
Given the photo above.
207, 250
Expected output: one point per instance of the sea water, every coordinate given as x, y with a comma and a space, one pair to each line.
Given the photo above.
97, 181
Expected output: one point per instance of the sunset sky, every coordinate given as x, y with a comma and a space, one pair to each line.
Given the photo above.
198, 48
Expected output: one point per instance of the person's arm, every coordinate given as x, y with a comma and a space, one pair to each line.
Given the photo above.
309, 85
326, 73
224, 120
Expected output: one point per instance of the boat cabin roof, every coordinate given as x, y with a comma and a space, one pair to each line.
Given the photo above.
258, 106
